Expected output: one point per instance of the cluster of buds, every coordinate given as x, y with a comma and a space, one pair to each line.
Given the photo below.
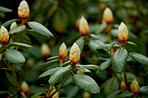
108, 16
24, 87
23, 10
4, 36
134, 86
83, 26
45, 50
63, 51
122, 33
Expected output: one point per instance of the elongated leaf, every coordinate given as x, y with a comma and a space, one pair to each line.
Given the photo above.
58, 75
17, 29
8, 22
20, 44
119, 59
92, 67
101, 28
114, 94
144, 90
14, 56
47, 64
81, 69
80, 43
53, 57
4, 9
49, 72
87, 83
130, 46
3, 92
40, 28
140, 58
125, 94
65, 64
37, 95
12, 77
73, 92
105, 64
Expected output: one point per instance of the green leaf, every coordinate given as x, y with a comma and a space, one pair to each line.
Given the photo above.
125, 94
101, 28
105, 64
87, 83
65, 64
119, 59
80, 43
14, 56
17, 29
131, 47
140, 58
5, 10
114, 94
80, 68
8, 22
40, 28
12, 77
37, 95
20, 44
49, 72
144, 90
58, 75
47, 64
3, 92
92, 67
73, 92
53, 57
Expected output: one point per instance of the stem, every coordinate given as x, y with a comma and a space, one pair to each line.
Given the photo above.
51, 88
60, 85
128, 87
61, 60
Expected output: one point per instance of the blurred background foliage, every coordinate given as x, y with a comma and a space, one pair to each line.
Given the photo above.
61, 17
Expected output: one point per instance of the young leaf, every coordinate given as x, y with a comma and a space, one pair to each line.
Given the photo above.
8, 22
49, 72
119, 59
87, 83
17, 29
20, 44
53, 57
40, 28
80, 43
65, 64
105, 64
58, 75
92, 67
5, 10
81, 69
140, 58
14, 56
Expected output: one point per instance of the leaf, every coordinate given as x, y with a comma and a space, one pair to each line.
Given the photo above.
81, 69
40, 28
12, 77
8, 22
74, 90
53, 57
80, 43
144, 90
140, 58
5, 10
20, 44
14, 56
3, 92
101, 28
105, 64
114, 94
118, 60
125, 94
87, 83
17, 29
37, 95
92, 67
47, 64
49, 72
131, 47
58, 75
65, 64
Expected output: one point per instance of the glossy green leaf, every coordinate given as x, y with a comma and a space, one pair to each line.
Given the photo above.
73, 92
5, 10
17, 29
92, 67
19, 44
144, 90
114, 94
85, 82
80, 43
101, 28
49, 72
40, 28
12, 77
140, 58
119, 60
14, 56
105, 64
82, 69
58, 75
53, 57
37, 95
47, 64
65, 64
125, 94
8, 22
131, 47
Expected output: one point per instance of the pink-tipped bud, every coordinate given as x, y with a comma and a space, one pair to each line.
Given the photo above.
4, 36
23, 10
108, 16
83, 26
122, 33
123, 86
63, 51
25, 87
45, 50
13, 25
74, 55
134, 86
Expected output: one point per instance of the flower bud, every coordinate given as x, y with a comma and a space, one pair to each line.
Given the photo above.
4, 36
13, 25
23, 10
122, 33
123, 86
83, 26
63, 51
45, 50
108, 16
134, 86
74, 55
86, 95
25, 87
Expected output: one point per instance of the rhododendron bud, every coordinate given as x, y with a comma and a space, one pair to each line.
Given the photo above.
123, 85
23, 10
83, 26
134, 86
63, 51
13, 25
45, 50
25, 87
122, 33
74, 55
108, 16
4, 36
